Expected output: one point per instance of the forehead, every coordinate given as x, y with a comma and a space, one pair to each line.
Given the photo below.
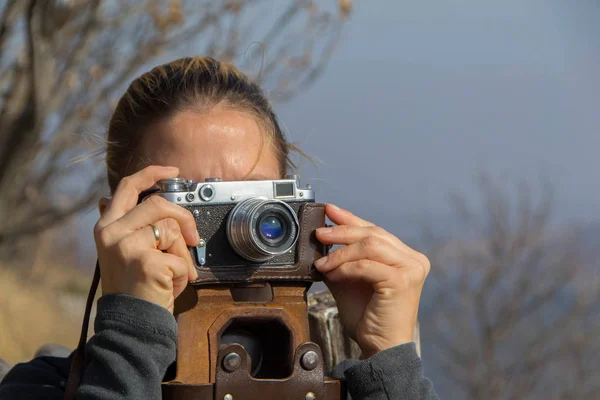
219, 143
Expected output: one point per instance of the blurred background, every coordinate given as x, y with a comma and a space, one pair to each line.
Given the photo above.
467, 128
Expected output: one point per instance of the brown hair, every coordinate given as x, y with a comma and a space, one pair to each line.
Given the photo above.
197, 83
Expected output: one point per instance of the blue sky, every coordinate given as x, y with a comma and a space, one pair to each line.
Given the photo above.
423, 95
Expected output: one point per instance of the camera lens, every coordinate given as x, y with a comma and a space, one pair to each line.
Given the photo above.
260, 229
271, 228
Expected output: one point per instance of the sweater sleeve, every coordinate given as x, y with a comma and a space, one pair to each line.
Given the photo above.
395, 373
133, 345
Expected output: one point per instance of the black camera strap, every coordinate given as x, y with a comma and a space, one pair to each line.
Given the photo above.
78, 360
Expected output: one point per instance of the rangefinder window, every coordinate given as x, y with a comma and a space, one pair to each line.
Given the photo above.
284, 189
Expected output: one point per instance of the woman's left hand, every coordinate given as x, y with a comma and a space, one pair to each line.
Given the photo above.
375, 279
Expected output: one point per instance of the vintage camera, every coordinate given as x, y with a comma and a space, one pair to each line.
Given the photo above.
250, 230
243, 329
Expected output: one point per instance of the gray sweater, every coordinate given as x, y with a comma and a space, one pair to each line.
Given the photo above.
135, 343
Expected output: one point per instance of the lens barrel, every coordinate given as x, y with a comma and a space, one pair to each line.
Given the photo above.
259, 229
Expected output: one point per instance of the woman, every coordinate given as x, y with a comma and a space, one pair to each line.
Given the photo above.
199, 118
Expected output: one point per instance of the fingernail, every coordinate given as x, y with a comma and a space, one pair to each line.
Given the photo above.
320, 262
197, 237
334, 206
324, 230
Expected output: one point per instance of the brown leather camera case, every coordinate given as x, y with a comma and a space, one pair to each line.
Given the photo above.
309, 249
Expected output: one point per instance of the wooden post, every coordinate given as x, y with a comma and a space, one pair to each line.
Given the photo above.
326, 330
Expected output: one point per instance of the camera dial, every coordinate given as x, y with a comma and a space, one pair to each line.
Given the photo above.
173, 185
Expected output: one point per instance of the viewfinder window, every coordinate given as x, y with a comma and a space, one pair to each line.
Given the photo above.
284, 189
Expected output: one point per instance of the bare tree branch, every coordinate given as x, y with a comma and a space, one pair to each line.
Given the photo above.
6, 20
69, 62
511, 318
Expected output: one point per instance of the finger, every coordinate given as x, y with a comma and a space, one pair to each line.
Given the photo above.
155, 209
340, 216
170, 238
144, 239
348, 234
180, 249
171, 241
371, 248
176, 273
175, 243
363, 270
126, 195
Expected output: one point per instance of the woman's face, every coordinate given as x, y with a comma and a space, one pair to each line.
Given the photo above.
221, 143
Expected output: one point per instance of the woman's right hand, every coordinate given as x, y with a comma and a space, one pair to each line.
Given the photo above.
131, 261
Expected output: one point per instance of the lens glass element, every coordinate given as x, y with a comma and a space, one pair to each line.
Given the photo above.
271, 227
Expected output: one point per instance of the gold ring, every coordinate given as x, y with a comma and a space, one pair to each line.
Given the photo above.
156, 234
